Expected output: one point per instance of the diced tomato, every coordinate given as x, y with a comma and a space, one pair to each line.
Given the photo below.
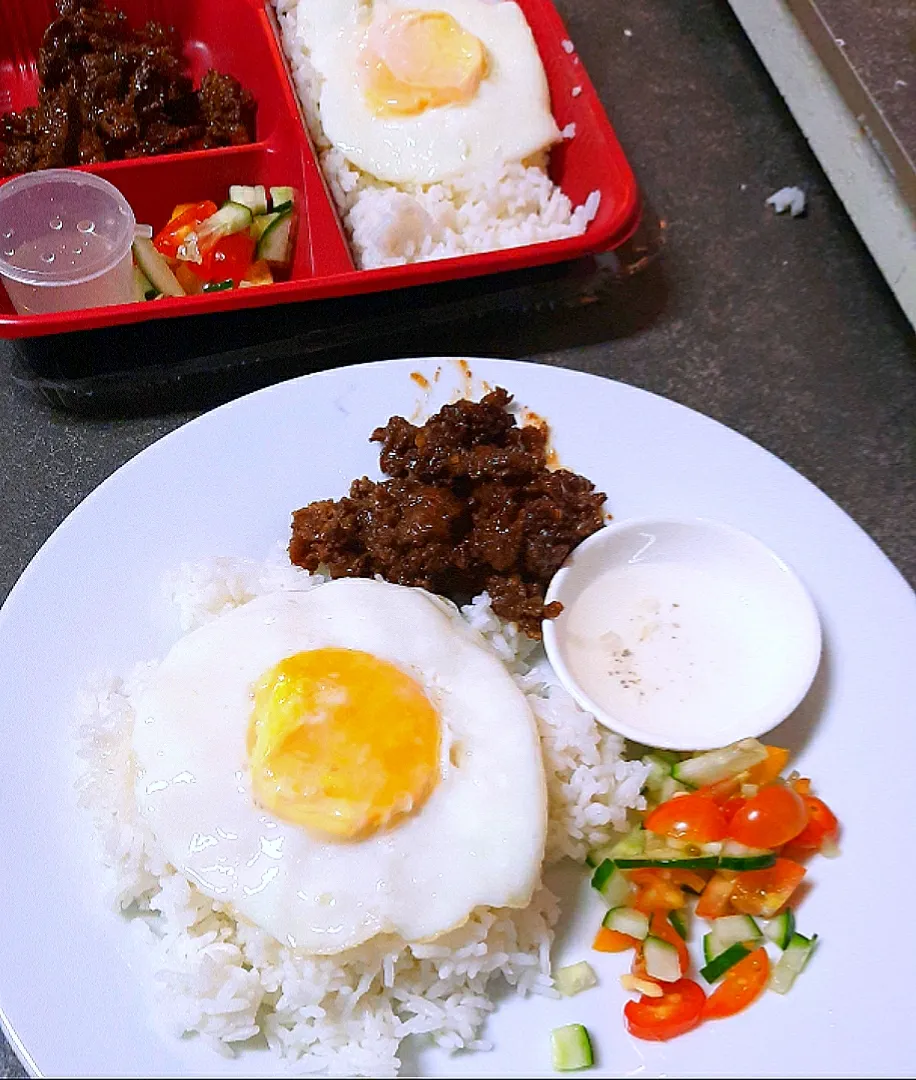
741, 985
169, 239
690, 879
688, 817
721, 791
802, 785
659, 896
676, 1012
694, 880
763, 892
766, 772
660, 927
770, 818
613, 941
822, 826
228, 259
715, 900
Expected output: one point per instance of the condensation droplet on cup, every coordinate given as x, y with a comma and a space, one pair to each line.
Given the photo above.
56, 224
78, 251
10, 252
48, 257
8, 235
85, 226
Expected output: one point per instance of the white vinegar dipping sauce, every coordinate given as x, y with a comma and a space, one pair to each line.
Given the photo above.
686, 635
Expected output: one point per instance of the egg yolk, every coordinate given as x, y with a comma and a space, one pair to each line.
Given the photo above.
418, 60
341, 742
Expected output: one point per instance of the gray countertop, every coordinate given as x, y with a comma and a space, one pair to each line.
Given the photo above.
780, 328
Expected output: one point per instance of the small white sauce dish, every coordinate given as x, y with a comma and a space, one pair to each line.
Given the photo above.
682, 634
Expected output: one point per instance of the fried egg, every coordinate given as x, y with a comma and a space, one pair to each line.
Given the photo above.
343, 762
416, 91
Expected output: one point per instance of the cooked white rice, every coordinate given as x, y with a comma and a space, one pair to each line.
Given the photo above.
229, 982
391, 224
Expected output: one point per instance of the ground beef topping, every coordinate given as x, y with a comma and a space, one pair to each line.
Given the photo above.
109, 92
471, 505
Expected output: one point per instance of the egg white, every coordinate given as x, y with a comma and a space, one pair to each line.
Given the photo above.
477, 840
507, 120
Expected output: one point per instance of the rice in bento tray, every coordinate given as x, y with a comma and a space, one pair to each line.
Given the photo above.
433, 125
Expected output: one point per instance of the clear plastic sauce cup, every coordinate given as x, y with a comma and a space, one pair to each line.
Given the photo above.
65, 242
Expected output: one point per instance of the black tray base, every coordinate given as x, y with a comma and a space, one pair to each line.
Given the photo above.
196, 362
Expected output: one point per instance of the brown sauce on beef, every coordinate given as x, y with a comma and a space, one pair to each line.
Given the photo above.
470, 505
109, 92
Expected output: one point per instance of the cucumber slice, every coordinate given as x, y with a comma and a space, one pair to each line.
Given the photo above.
276, 243
611, 883
672, 858
626, 920
634, 843
597, 855
261, 224
781, 929
575, 978
155, 268
736, 856
729, 930
709, 947
255, 198
680, 921
280, 196
571, 1048
143, 289
231, 218
717, 967
670, 787
792, 963
717, 765
218, 286
659, 768
661, 959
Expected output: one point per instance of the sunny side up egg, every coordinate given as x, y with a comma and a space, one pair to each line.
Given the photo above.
417, 91
343, 762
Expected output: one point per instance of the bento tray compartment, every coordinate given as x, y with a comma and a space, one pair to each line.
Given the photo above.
241, 38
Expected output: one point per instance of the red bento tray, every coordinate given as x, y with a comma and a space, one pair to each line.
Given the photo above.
241, 38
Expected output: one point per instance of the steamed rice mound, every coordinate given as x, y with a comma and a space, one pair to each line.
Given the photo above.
392, 224
229, 982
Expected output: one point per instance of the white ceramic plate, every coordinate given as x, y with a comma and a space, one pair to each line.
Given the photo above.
73, 994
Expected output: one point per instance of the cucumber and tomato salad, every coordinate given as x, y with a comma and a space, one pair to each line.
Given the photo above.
722, 844
203, 248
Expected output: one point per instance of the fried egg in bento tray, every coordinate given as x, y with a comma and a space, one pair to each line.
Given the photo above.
416, 91
343, 762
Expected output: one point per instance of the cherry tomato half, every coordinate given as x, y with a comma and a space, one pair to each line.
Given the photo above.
822, 825
740, 985
676, 1012
227, 260
688, 817
763, 892
169, 239
770, 818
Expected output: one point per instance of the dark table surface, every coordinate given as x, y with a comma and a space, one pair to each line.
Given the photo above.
879, 39
780, 328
